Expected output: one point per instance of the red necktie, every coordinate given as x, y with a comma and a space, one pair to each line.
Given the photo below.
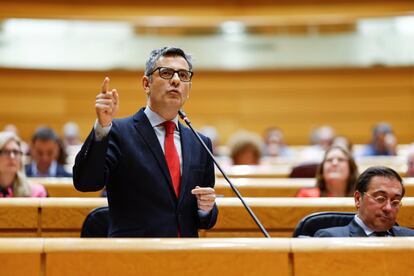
171, 155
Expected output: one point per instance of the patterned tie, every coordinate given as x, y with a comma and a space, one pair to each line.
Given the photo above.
171, 155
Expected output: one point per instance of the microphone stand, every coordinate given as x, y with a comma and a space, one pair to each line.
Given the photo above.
184, 117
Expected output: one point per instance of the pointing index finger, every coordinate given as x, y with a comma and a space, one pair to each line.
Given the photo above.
105, 85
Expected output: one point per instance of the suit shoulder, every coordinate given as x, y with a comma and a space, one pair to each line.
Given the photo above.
403, 231
123, 121
341, 231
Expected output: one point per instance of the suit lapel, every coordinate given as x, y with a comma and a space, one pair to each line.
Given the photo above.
186, 142
147, 133
355, 230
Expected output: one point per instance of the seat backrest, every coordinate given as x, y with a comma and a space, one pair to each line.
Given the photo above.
305, 170
96, 224
308, 226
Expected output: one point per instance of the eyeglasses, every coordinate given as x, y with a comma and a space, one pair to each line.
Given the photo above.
382, 200
10, 153
168, 73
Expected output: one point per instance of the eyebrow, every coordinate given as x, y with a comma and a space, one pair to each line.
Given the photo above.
384, 192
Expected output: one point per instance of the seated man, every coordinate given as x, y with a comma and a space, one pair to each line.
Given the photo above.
45, 152
383, 142
378, 195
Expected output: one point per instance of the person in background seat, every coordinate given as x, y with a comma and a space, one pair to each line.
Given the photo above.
13, 181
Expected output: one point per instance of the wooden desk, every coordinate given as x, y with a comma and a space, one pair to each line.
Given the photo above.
218, 256
166, 257
63, 217
58, 217
352, 256
19, 217
21, 256
283, 170
263, 187
62, 187
248, 187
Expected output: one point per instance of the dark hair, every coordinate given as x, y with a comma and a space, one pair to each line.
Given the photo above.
381, 128
165, 52
45, 133
353, 172
365, 178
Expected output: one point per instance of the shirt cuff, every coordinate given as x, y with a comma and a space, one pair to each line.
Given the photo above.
100, 131
203, 214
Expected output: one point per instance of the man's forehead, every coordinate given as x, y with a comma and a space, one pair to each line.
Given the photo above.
384, 185
45, 143
176, 62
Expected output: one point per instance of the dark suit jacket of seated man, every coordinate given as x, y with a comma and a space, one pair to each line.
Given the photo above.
130, 162
378, 195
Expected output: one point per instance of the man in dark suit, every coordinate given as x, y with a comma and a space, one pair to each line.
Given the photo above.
45, 151
378, 195
159, 179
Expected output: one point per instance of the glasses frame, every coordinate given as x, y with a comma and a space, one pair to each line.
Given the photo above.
397, 203
175, 71
11, 153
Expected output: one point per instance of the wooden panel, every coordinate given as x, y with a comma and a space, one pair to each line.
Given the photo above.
66, 214
351, 100
129, 10
356, 256
282, 171
257, 187
21, 256
19, 216
248, 187
166, 257
61, 187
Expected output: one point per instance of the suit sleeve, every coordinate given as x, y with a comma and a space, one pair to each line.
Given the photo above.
95, 162
208, 221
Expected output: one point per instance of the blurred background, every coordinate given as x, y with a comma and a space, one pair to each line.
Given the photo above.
296, 65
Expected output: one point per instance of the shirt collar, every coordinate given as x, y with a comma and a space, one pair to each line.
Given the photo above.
50, 172
368, 231
155, 119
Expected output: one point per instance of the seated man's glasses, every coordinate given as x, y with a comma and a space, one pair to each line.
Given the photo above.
168, 73
10, 153
396, 203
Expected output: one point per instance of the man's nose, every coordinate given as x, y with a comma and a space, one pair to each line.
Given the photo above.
388, 206
175, 79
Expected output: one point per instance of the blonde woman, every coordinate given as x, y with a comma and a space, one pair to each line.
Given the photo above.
13, 182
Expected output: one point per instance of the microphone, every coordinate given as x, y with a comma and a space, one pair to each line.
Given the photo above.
184, 117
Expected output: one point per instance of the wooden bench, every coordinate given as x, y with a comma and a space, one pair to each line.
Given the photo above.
167, 257
218, 256
63, 217
62, 187
248, 187
352, 256
21, 256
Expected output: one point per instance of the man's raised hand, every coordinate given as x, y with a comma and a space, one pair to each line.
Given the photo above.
106, 104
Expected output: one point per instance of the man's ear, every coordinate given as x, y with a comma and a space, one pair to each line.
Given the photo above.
357, 198
146, 84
